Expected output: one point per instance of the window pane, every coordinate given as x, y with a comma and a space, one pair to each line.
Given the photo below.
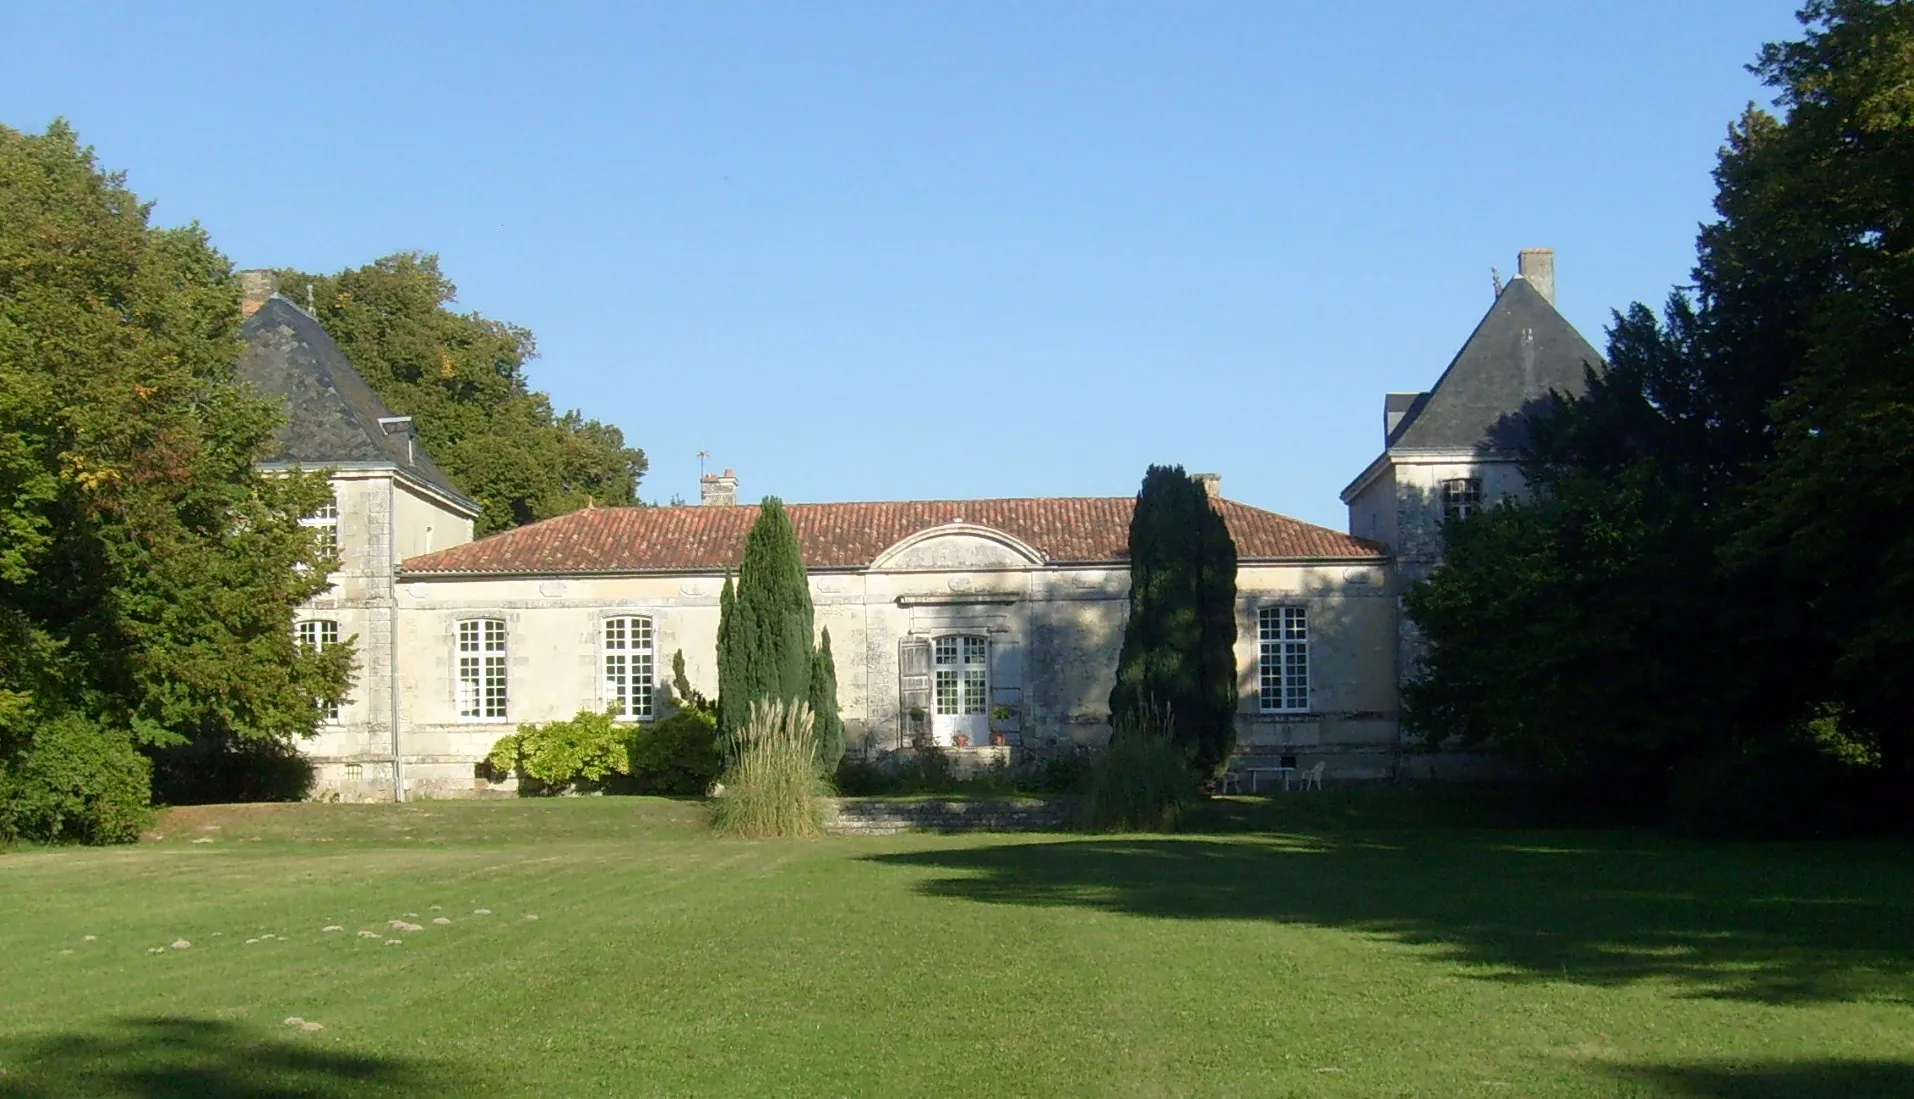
1282, 661
975, 650
946, 691
947, 650
468, 686
481, 679
975, 688
640, 697
617, 683
494, 686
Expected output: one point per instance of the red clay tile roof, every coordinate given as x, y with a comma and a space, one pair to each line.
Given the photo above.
833, 536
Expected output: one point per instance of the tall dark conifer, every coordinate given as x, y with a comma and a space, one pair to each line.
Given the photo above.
764, 626
1179, 642
830, 727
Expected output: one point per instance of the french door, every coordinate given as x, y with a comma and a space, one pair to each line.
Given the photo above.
962, 691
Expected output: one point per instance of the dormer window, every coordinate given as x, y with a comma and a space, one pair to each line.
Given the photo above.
1461, 497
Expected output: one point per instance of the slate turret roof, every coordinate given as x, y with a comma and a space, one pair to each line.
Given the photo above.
1520, 351
332, 414
1070, 530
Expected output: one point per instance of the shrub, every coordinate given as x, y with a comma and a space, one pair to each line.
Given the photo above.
76, 781
675, 755
771, 782
1812, 782
216, 768
860, 778
559, 755
1055, 775
1144, 782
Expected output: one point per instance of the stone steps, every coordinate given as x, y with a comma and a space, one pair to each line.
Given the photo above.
877, 817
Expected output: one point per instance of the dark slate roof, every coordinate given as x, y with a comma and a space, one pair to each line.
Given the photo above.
332, 414
1522, 349
1076, 530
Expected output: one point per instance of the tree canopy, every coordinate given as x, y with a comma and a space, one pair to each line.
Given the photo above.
1716, 563
148, 573
462, 377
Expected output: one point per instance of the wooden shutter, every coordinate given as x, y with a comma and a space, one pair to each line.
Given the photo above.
913, 685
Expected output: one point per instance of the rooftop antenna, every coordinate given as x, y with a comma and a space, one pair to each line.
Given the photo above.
702, 456
1495, 276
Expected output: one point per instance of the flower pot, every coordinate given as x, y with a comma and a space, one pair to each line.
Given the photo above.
960, 741
998, 740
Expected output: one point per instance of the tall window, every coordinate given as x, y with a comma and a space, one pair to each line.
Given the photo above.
325, 524
481, 656
1461, 497
316, 635
963, 680
628, 665
1283, 667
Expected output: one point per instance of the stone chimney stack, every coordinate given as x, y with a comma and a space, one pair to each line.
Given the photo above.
254, 288
1212, 484
719, 490
1537, 265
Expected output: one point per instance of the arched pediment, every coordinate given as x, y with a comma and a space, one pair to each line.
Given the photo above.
965, 546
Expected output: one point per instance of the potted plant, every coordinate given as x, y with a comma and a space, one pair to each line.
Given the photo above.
961, 740
1001, 715
919, 728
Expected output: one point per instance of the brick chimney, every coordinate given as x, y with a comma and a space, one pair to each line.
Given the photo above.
254, 288
719, 490
1537, 265
1212, 484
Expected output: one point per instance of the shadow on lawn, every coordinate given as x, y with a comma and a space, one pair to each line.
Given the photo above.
1789, 1080
1769, 923
174, 1058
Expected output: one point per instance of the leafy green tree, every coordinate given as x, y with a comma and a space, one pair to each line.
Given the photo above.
148, 573
1812, 266
1685, 590
765, 623
1179, 643
823, 697
462, 376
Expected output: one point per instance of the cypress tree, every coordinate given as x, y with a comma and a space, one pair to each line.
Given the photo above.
830, 727
764, 624
1179, 642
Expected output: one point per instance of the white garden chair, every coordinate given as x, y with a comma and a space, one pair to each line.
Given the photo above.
1230, 783
1309, 775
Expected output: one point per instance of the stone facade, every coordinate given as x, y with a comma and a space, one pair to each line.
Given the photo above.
1050, 635
965, 623
383, 517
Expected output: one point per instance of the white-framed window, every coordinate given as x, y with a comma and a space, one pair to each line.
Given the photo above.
317, 635
481, 665
626, 641
1283, 661
1461, 497
963, 677
325, 523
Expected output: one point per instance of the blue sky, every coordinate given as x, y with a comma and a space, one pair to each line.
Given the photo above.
917, 250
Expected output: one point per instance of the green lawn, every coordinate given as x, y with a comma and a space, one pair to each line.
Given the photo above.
1337, 945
